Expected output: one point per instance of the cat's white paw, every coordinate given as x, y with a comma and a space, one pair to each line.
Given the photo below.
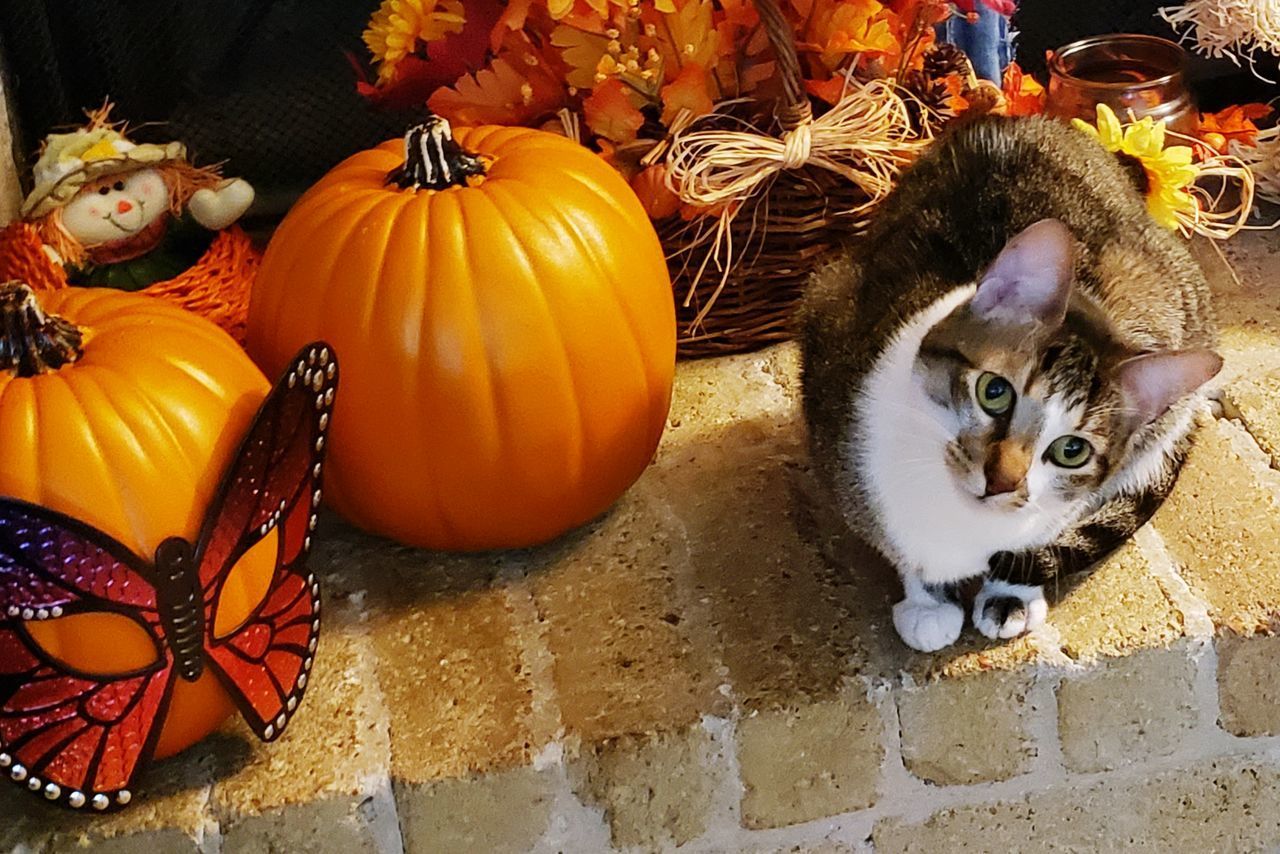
927, 624
1004, 610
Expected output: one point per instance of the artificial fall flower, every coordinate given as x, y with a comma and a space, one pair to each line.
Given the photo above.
398, 25
1169, 170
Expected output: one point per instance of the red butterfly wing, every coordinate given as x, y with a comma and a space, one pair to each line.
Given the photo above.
273, 487
73, 737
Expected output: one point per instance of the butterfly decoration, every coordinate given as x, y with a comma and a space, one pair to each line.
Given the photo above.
82, 739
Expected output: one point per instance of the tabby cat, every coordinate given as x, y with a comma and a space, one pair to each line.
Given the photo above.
1001, 375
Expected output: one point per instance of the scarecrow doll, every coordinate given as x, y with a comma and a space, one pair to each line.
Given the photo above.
125, 215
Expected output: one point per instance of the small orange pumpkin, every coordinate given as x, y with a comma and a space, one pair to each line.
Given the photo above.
650, 186
507, 329
128, 429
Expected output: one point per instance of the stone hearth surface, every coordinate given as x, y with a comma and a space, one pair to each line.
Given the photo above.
711, 667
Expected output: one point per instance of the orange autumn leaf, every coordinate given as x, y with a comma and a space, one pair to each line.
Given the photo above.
595, 9
841, 27
740, 14
912, 23
686, 35
756, 74
926, 13
742, 43
512, 19
510, 91
687, 91
1023, 95
582, 52
611, 114
956, 86
830, 90
1233, 123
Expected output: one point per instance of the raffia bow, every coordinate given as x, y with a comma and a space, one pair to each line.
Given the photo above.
866, 138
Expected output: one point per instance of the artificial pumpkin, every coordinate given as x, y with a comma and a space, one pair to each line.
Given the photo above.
122, 411
505, 316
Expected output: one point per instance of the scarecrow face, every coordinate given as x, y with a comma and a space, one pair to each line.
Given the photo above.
116, 207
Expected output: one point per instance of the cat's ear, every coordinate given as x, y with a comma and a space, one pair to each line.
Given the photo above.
1153, 382
1030, 280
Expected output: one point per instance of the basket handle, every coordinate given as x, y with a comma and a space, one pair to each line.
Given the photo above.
796, 109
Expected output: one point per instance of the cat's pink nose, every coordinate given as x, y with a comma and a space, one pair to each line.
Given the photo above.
124, 206
1006, 467
1000, 485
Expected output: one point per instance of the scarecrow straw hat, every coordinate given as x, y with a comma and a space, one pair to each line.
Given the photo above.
68, 161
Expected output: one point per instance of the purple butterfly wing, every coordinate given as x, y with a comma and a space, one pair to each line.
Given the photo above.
77, 738
272, 488
51, 563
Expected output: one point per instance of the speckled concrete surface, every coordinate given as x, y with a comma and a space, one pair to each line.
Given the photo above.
711, 667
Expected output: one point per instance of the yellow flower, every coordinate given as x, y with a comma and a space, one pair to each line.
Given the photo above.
398, 25
1169, 170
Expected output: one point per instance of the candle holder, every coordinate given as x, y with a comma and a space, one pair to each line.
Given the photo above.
1142, 75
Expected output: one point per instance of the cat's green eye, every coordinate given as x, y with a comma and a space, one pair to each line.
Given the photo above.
995, 394
1070, 452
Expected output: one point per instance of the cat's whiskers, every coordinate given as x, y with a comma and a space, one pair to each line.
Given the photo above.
920, 417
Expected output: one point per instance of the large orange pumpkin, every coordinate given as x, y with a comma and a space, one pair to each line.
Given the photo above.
130, 432
506, 324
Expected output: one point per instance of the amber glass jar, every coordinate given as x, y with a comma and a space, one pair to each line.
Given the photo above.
1142, 74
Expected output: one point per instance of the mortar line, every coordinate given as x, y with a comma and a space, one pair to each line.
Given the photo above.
1231, 414
1253, 456
543, 719
1205, 687
380, 787
1194, 610
1042, 726
211, 833
726, 813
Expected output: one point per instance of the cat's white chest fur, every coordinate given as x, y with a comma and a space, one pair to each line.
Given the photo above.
936, 529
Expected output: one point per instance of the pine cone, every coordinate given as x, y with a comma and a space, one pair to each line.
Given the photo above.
930, 92
932, 101
945, 58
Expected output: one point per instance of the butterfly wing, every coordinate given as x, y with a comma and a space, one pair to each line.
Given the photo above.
272, 489
73, 737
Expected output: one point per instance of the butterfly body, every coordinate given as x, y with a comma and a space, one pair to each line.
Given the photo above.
178, 595
81, 737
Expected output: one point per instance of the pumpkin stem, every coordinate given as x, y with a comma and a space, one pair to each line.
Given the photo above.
32, 342
433, 160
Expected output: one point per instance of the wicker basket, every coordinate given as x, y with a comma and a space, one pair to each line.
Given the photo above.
217, 287
777, 242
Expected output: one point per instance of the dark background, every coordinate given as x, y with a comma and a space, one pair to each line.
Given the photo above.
267, 84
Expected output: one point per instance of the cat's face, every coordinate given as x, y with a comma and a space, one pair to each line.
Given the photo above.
1038, 421
1040, 396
